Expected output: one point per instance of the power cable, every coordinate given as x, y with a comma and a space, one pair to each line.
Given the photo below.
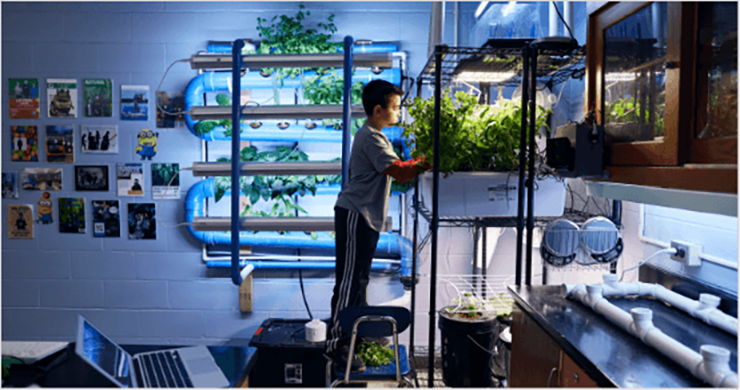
561, 18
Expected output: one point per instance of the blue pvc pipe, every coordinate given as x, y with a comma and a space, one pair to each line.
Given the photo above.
390, 245
236, 115
347, 109
219, 81
225, 47
291, 265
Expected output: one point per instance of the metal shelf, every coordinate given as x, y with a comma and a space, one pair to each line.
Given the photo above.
327, 111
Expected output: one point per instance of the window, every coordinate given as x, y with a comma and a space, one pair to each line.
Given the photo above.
716, 233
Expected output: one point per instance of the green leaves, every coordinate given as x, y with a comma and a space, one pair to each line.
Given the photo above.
373, 354
473, 137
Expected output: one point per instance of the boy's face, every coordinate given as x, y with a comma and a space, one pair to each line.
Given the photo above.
391, 114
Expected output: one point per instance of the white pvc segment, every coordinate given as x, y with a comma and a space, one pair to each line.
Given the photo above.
704, 309
711, 366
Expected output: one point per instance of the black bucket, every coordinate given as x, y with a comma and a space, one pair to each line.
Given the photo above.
466, 362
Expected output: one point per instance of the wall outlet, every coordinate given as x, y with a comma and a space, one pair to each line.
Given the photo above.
690, 253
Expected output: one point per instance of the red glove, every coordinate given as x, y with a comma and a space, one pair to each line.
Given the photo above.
406, 170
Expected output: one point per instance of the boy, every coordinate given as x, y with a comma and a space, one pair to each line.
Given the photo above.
362, 206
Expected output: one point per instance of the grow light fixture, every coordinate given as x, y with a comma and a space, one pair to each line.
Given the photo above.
482, 76
256, 61
620, 76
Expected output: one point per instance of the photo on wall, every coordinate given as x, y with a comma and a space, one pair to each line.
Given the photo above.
24, 143
170, 105
106, 218
134, 102
91, 178
60, 144
10, 185
130, 179
45, 210
61, 98
23, 99
99, 139
162, 174
98, 97
71, 215
20, 221
41, 179
146, 144
142, 221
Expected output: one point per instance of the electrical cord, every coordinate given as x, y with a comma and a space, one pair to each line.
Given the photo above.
667, 250
160, 85
561, 18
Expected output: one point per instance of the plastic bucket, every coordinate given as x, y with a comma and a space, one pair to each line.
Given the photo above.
467, 351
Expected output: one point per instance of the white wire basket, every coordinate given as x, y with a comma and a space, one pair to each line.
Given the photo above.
477, 296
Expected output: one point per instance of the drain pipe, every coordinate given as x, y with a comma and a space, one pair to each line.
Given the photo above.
389, 244
711, 366
704, 309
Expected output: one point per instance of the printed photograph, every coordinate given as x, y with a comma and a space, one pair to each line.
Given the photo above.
161, 176
91, 178
45, 209
71, 215
61, 97
24, 143
142, 221
170, 105
41, 179
106, 218
60, 144
146, 144
134, 102
23, 99
99, 139
20, 221
130, 179
10, 185
98, 97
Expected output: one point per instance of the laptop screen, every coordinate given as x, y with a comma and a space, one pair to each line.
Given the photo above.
104, 354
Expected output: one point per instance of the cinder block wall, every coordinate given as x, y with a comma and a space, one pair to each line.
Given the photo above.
158, 291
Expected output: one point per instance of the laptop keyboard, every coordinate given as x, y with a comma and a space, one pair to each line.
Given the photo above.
165, 369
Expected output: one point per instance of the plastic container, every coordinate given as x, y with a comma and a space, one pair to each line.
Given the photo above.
466, 362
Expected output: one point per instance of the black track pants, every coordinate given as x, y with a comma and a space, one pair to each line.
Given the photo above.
355, 247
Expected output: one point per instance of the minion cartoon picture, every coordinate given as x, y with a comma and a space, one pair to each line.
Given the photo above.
106, 218
71, 215
142, 221
44, 211
134, 102
147, 144
20, 221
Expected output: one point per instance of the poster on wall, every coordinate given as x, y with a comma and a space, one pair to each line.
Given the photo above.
91, 178
98, 97
170, 105
106, 218
71, 215
10, 185
20, 221
162, 174
99, 139
45, 209
130, 179
60, 144
146, 144
24, 143
23, 99
41, 179
61, 98
142, 221
134, 102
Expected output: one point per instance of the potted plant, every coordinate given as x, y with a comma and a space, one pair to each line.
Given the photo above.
479, 155
623, 122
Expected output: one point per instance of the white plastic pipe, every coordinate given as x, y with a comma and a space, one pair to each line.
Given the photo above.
553, 19
704, 309
711, 366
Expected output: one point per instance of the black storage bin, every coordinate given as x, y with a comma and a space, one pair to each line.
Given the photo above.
285, 358
466, 362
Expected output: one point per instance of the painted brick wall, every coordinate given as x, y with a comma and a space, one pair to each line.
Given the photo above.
159, 291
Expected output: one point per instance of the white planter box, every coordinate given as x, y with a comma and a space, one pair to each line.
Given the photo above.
484, 194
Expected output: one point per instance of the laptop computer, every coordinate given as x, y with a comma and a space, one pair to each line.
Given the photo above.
180, 367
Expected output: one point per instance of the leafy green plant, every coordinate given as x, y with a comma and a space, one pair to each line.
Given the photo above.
625, 110
329, 89
473, 137
278, 188
471, 307
287, 35
373, 354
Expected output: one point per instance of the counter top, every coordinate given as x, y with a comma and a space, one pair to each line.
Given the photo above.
610, 355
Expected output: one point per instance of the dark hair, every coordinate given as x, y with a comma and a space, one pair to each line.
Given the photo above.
376, 93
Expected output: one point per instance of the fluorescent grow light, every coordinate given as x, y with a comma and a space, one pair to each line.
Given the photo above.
620, 76
490, 77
